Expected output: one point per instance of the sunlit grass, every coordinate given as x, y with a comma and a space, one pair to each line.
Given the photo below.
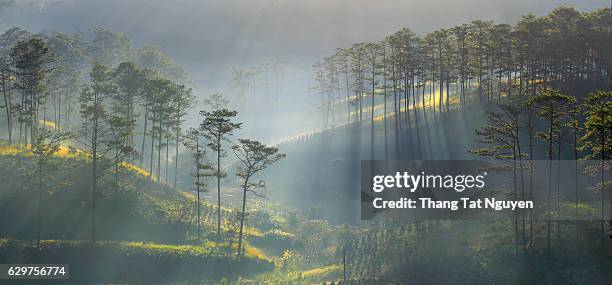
431, 101
206, 248
249, 231
249, 251
321, 271
255, 252
453, 101
135, 169
14, 150
158, 249
47, 123
280, 234
62, 152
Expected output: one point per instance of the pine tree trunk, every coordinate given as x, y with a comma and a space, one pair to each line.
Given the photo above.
198, 187
219, 189
144, 135
244, 192
176, 157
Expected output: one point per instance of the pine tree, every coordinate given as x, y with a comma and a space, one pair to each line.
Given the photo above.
103, 135
216, 127
33, 61
254, 157
45, 144
597, 139
194, 142
553, 107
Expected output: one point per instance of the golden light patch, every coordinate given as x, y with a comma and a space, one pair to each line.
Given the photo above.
136, 169
47, 123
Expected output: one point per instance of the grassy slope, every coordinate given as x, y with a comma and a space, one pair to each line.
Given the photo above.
134, 262
148, 223
140, 211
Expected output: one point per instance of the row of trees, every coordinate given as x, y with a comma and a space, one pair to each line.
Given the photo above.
566, 50
110, 102
42, 75
30, 84
108, 107
528, 68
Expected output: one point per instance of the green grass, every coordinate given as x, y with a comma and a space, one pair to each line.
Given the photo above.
136, 262
146, 230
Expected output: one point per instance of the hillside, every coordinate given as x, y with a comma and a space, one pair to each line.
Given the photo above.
140, 210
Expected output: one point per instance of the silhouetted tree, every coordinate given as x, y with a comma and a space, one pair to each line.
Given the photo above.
553, 107
33, 61
254, 157
597, 139
45, 144
102, 133
216, 127
194, 142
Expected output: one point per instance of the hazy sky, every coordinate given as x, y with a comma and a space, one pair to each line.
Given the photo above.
210, 36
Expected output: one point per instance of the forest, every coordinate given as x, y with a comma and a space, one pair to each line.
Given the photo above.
112, 160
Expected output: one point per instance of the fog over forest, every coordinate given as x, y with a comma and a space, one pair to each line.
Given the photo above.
237, 141
208, 38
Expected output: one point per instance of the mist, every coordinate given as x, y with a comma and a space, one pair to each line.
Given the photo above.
119, 157
209, 37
